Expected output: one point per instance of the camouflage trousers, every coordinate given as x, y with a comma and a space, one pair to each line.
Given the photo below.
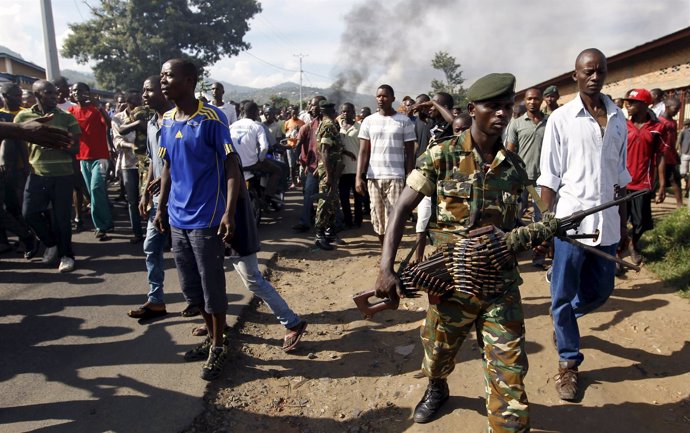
327, 204
501, 333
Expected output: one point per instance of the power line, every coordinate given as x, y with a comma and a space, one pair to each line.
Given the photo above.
269, 63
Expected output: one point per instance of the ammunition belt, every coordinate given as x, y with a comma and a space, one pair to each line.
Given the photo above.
472, 265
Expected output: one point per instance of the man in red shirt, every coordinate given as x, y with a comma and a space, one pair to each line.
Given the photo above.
671, 158
309, 159
93, 156
645, 147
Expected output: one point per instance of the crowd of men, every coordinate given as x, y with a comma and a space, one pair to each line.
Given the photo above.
181, 163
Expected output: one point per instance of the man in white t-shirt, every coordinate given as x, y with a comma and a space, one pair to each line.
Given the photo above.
229, 109
251, 144
386, 154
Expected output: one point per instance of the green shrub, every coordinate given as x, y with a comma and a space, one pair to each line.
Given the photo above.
667, 250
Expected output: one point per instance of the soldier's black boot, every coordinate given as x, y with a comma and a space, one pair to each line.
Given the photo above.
435, 395
322, 241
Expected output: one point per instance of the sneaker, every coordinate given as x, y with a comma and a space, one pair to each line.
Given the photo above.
50, 255
566, 381
200, 352
217, 357
548, 275
66, 264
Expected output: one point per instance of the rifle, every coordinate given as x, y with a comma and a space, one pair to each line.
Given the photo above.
564, 224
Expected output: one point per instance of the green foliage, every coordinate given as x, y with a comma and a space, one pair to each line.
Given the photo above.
446, 63
667, 250
278, 101
130, 39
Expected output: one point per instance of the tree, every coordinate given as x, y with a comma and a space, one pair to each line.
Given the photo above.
445, 63
278, 101
130, 39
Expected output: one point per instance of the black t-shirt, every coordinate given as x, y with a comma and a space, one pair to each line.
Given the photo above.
422, 130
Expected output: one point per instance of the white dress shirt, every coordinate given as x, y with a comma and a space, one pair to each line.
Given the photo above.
583, 167
250, 142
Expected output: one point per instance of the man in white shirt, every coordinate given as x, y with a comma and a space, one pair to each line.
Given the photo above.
251, 143
386, 155
658, 105
583, 160
218, 91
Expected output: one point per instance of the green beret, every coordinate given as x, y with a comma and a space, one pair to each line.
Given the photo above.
551, 90
325, 104
492, 86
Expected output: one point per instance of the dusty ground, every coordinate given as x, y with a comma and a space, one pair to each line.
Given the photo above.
354, 375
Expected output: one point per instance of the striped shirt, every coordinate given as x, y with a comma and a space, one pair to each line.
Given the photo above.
388, 135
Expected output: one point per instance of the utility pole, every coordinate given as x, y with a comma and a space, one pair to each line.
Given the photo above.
52, 65
301, 56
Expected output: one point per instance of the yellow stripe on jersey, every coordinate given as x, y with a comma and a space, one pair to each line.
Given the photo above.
228, 149
209, 113
162, 151
169, 114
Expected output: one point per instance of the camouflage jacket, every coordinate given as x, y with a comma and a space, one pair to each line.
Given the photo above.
328, 136
468, 196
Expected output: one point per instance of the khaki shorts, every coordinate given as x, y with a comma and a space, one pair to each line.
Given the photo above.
383, 193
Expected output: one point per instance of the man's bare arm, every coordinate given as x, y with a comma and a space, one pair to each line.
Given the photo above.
387, 284
362, 165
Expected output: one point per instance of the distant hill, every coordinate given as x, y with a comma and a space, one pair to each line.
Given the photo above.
79, 77
237, 93
290, 91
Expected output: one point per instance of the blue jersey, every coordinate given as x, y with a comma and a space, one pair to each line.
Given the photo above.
196, 150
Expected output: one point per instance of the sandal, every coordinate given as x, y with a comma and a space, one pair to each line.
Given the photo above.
146, 313
294, 336
191, 311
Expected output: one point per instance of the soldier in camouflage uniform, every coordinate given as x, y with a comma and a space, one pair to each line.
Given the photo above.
329, 168
477, 182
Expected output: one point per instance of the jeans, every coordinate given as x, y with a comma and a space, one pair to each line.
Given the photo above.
154, 245
130, 177
580, 283
311, 189
345, 187
199, 255
41, 191
247, 268
94, 172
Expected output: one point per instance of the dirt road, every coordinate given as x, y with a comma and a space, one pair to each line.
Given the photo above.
354, 375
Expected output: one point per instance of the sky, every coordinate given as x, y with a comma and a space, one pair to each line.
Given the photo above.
368, 42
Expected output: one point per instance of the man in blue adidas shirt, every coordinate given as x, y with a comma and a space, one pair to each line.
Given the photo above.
199, 184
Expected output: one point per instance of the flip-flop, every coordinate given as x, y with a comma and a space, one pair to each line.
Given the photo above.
146, 313
293, 337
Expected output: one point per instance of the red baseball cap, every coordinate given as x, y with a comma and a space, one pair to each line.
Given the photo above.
641, 95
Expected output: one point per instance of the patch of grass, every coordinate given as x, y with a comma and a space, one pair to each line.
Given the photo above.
667, 250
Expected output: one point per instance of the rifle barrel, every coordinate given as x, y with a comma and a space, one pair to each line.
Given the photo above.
574, 220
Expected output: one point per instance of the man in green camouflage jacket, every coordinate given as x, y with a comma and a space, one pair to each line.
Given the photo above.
477, 183
329, 169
